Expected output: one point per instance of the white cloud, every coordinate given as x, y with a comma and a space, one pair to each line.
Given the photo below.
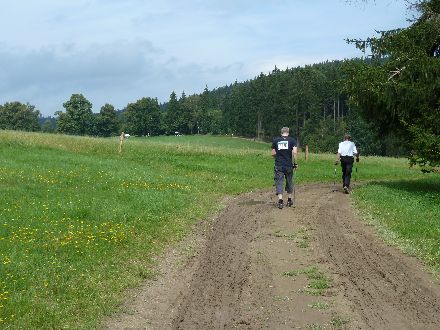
119, 51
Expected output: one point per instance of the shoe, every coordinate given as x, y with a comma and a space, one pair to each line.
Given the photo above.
346, 189
289, 202
280, 204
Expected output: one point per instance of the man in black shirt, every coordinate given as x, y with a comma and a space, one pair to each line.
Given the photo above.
284, 150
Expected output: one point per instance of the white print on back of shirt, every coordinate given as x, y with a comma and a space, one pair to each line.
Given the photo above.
283, 145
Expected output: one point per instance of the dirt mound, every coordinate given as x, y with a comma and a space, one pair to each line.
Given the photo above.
314, 266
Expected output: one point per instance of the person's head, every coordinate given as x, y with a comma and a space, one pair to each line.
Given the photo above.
347, 137
285, 131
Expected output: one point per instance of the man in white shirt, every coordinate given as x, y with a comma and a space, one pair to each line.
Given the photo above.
346, 153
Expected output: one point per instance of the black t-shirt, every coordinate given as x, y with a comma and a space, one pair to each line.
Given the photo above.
283, 146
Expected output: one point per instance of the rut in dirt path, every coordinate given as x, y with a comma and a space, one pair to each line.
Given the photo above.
217, 289
385, 288
233, 279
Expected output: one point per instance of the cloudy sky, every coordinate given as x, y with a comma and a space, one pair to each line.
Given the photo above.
118, 51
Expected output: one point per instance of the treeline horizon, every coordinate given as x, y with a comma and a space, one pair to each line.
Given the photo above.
309, 99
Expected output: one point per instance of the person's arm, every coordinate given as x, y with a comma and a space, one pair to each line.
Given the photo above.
294, 155
274, 148
338, 158
338, 155
355, 153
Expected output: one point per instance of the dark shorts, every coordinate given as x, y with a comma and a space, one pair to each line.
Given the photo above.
281, 172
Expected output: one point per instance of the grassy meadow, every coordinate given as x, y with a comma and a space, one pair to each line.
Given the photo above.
80, 222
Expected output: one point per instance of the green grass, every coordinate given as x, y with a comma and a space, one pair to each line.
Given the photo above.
318, 282
80, 222
289, 273
339, 322
319, 305
303, 239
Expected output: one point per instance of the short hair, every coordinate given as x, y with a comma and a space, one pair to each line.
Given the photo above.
347, 137
285, 130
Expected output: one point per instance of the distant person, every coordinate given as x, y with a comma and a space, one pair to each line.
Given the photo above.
346, 153
284, 150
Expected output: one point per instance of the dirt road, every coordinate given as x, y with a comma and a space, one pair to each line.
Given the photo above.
315, 266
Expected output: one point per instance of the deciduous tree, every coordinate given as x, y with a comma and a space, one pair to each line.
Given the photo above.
107, 122
143, 117
19, 116
78, 118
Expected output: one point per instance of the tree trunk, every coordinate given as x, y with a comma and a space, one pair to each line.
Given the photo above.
259, 125
338, 107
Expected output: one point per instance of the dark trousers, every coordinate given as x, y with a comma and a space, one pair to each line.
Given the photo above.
282, 172
347, 167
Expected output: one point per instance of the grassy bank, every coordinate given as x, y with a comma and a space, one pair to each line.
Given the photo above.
407, 214
79, 221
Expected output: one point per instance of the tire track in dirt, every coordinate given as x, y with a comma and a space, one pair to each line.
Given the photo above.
229, 273
219, 285
386, 288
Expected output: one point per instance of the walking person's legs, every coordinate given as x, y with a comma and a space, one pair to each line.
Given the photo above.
279, 185
344, 166
348, 170
347, 166
289, 185
344, 170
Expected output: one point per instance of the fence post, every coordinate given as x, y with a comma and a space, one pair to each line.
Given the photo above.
121, 139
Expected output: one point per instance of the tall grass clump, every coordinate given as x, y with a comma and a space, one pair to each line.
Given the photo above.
80, 222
